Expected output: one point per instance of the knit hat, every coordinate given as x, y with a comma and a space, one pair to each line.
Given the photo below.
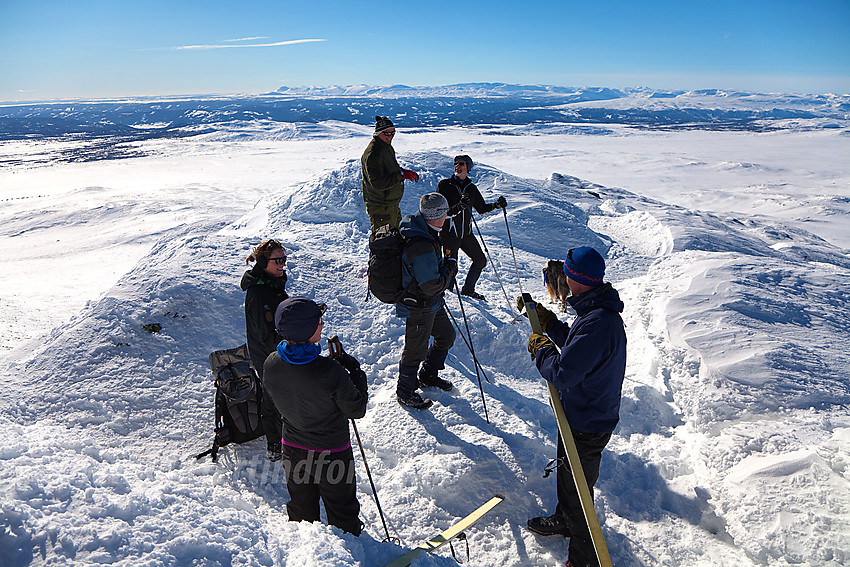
433, 206
297, 318
585, 265
382, 123
466, 159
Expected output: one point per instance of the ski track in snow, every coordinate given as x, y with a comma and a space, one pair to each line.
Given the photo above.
733, 445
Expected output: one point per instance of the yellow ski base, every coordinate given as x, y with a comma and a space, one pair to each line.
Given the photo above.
433, 544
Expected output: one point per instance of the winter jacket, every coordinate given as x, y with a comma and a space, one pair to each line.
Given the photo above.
316, 397
459, 222
263, 293
424, 272
590, 368
383, 184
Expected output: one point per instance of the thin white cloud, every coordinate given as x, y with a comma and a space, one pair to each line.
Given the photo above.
275, 44
248, 38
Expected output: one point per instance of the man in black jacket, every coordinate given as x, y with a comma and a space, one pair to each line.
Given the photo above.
462, 194
316, 396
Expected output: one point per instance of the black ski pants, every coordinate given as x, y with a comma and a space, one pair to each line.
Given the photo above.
470, 246
311, 475
589, 447
421, 325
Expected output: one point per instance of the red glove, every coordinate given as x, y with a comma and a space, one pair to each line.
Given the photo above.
410, 175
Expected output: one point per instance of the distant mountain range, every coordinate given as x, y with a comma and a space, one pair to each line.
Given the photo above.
425, 107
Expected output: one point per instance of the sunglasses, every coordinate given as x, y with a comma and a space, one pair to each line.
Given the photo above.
278, 261
389, 132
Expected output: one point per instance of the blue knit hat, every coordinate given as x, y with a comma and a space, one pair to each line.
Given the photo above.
297, 318
585, 265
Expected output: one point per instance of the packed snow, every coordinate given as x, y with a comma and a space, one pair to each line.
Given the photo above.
729, 249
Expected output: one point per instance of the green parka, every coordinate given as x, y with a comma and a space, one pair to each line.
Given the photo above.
383, 184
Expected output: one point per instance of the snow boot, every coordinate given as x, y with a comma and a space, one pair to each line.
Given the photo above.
472, 293
415, 401
549, 525
429, 378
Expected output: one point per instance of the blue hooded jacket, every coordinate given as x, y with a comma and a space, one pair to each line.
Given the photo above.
588, 372
422, 261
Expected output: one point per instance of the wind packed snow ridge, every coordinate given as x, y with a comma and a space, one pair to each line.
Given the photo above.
725, 386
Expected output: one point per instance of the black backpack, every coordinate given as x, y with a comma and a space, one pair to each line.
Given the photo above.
238, 396
385, 266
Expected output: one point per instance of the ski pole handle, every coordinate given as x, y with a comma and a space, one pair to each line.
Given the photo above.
334, 346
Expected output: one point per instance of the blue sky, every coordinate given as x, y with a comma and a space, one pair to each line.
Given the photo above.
96, 49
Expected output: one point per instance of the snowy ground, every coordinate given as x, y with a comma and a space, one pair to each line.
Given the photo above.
730, 250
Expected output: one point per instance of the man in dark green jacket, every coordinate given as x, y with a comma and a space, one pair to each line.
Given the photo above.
383, 178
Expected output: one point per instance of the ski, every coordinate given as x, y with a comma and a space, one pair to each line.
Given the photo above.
445, 537
572, 453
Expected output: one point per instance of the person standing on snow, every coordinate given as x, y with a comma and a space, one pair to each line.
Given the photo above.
316, 395
264, 287
383, 178
462, 194
588, 374
426, 274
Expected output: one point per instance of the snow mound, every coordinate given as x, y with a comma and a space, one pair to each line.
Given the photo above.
735, 395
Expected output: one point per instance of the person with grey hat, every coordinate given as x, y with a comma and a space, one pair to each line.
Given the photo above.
426, 274
463, 196
588, 373
316, 395
383, 178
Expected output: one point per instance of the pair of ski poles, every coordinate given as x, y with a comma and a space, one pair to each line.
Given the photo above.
467, 339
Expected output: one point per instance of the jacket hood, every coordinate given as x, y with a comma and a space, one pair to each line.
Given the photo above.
415, 226
604, 296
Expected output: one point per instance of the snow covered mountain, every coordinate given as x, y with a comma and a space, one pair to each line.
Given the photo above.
425, 107
734, 440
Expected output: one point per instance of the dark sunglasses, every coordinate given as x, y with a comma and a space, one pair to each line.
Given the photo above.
388, 133
279, 261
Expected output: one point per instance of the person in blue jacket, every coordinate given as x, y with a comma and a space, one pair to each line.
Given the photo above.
426, 275
588, 373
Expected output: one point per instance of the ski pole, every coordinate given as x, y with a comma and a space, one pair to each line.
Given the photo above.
492, 264
466, 323
459, 332
372, 483
511, 242
335, 348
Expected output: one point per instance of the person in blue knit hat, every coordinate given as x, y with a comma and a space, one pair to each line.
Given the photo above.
588, 373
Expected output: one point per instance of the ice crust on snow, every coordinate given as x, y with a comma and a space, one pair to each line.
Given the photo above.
733, 446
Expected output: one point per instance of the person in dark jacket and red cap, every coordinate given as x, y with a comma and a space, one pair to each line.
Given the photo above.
316, 395
588, 373
463, 196
265, 287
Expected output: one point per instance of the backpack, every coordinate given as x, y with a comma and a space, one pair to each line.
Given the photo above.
385, 266
238, 397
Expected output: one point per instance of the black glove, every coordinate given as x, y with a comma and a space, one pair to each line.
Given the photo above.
501, 203
451, 269
465, 201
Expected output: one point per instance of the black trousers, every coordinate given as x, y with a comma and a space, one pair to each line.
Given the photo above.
272, 422
589, 447
421, 325
470, 246
311, 475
